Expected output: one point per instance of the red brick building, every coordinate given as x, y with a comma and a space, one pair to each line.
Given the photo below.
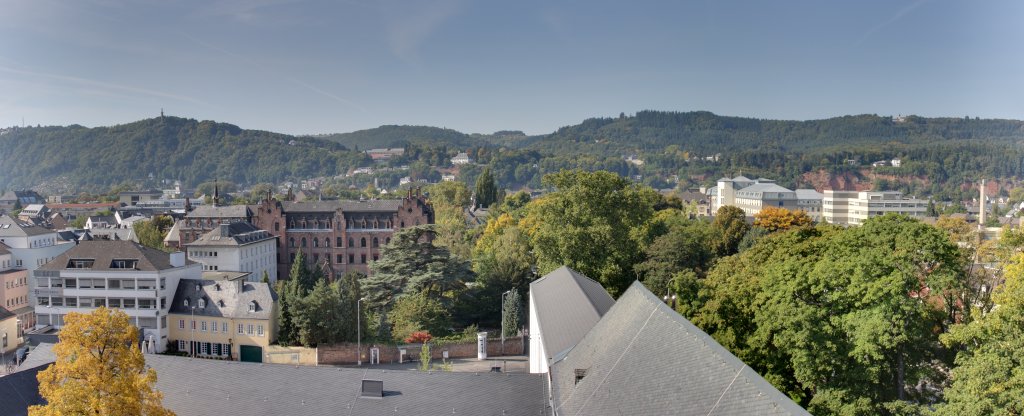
338, 236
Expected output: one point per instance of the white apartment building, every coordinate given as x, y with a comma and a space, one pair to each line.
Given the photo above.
764, 194
30, 245
809, 201
117, 274
853, 208
237, 247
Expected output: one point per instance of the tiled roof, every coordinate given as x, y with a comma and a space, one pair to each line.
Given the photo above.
235, 303
568, 304
643, 358
104, 252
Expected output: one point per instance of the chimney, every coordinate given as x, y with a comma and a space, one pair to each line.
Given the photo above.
981, 209
178, 259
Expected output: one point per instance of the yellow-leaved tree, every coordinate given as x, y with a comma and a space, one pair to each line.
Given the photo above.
99, 370
775, 219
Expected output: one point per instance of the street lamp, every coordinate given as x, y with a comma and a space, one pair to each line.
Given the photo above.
359, 333
192, 344
503, 320
670, 298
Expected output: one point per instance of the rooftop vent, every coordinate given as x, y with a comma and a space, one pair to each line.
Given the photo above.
580, 373
373, 388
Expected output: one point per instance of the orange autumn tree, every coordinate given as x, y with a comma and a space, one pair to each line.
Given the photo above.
99, 370
775, 219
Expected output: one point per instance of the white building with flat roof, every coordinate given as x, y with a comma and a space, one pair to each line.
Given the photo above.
853, 207
237, 247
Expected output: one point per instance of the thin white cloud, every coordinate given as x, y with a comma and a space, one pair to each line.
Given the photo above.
407, 27
103, 85
325, 93
896, 17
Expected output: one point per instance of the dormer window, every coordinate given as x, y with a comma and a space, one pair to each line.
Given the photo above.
202, 303
185, 302
252, 306
198, 287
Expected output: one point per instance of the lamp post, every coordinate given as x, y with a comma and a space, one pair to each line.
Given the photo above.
359, 332
672, 298
503, 320
192, 344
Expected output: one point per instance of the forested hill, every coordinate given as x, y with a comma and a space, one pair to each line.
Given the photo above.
192, 151
402, 136
704, 133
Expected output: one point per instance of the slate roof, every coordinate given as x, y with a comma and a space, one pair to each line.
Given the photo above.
5, 313
236, 304
103, 252
765, 187
4, 249
220, 211
233, 234
809, 194
315, 206
13, 227
212, 387
377, 205
568, 304
643, 358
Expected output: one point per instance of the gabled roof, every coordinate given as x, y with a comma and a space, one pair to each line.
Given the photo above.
220, 211
568, 304
104, 252
233, 234
13, 227
643, 358
173, 234
235, 302
4, 313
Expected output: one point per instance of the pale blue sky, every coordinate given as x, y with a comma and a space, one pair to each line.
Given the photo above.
296, 66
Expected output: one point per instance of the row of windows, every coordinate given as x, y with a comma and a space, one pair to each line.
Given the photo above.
205, 348
375, 242
16, 301
19, 282
57, 320
83, 302
242, 329
101, 283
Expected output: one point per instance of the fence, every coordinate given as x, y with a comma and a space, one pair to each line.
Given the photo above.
345, 353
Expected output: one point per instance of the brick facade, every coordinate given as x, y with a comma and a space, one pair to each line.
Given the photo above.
338, 236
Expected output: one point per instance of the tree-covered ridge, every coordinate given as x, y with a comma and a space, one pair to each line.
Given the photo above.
401, 136
166, 147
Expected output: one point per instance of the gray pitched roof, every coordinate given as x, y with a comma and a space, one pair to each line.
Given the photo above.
104, 252
764, 187
235, 302
13, 227
235, 234
220, 211
4, 313
808, 194
4, 249
644, 358
314, 206
568, 305
210, 387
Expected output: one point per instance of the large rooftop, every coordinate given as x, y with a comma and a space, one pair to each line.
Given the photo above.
103, 253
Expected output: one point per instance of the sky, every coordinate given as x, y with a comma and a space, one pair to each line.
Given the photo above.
314, 67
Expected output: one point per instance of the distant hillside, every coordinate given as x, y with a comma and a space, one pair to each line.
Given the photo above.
704, 133
168, 148
401, 136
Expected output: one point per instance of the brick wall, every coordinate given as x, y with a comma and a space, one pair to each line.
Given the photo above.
346, 353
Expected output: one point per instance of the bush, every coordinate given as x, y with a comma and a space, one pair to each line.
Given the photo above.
419, 337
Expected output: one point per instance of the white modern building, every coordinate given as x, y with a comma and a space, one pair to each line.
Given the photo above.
30, 245
809, 201
237, 247
765, 193
117, 274
853, 208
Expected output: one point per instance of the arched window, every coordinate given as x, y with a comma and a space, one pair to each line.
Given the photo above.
327, 242
277, 226
375, 242
202, 303
303, 241
291, 242
387, 240
351, 242
362, 242
316, 243
185, 302
402, 224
